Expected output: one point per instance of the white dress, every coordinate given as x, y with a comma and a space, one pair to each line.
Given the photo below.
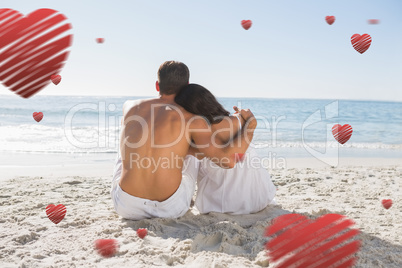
246, 188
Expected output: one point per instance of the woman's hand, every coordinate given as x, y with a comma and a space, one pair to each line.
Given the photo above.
236, 109
248, 116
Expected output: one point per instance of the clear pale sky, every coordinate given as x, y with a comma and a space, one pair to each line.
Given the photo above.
289, 52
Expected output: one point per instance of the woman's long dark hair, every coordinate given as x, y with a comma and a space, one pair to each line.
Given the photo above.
198, 100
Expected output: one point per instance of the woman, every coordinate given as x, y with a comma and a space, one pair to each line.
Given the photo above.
244, 189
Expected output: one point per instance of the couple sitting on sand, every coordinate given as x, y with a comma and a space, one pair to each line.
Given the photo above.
183, 138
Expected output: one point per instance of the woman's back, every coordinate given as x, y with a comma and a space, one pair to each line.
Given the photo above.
246, 188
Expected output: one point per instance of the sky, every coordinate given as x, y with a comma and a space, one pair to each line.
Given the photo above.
289, 52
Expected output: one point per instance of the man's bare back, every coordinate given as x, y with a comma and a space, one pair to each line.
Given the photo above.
154, 142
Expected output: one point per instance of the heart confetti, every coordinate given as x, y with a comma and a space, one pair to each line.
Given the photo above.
55, 79
373, 21
239, 157
56, 213
330, 19
32, 48
386, 203
299, 242
142, 233
342, 133
361, 42
246, 24
37, 116
106, 247
100, 40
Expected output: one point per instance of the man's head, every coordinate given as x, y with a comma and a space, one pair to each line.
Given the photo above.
172, 76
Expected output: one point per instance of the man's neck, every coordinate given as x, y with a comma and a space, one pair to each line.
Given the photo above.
167, 98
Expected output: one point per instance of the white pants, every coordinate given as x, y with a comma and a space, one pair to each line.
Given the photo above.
135, 208
246, 188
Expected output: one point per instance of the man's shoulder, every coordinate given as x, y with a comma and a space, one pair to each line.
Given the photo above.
198, 122
130, 104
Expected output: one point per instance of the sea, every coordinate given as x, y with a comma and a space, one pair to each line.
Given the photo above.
90, 126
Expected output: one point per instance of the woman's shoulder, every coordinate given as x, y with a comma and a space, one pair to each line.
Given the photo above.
228, 122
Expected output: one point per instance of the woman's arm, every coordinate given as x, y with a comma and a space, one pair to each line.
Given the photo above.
228, 128
223, 155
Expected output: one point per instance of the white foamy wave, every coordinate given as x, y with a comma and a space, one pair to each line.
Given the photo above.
46, 139
37, 138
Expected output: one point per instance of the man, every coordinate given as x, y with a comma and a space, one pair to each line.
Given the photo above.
155, 177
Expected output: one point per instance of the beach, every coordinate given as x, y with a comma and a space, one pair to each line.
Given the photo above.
355, 189
68, 159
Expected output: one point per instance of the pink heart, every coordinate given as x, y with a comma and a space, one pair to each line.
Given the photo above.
106, 247
142, 233
330, 19
361, 42
300, 242
55, 79
38, 116
246, 24
386, 203
342, 133
373, 21
56, 213
239, 157
32, 48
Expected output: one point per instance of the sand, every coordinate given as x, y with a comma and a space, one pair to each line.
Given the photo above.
29, 239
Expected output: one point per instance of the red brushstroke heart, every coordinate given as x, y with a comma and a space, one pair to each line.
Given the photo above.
386, 203
56, 213
142, 233
330, 19
300, 242
32, 49
106, 247
55, 79
361, 42
37, 116
100, 40
373, 21
342, 133
239, 157
246, 24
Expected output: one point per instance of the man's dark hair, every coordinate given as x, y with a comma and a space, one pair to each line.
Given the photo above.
172, 76
198, 100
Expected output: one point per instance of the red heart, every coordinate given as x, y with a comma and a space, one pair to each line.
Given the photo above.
56, 213
106, 247
142, 233
361, 42
330, 19
319, 243
32, 48
239, 157
246, 24
38, 116
55, 79
342, 133
386, 203
100, 40
373, 21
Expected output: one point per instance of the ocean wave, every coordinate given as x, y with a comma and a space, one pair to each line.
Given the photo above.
36, 138
20, 133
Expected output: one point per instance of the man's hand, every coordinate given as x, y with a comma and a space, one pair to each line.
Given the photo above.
248, 116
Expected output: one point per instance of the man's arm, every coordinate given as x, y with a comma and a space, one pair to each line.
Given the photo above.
223, 155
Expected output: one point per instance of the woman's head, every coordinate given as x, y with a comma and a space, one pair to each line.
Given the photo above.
198, 100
